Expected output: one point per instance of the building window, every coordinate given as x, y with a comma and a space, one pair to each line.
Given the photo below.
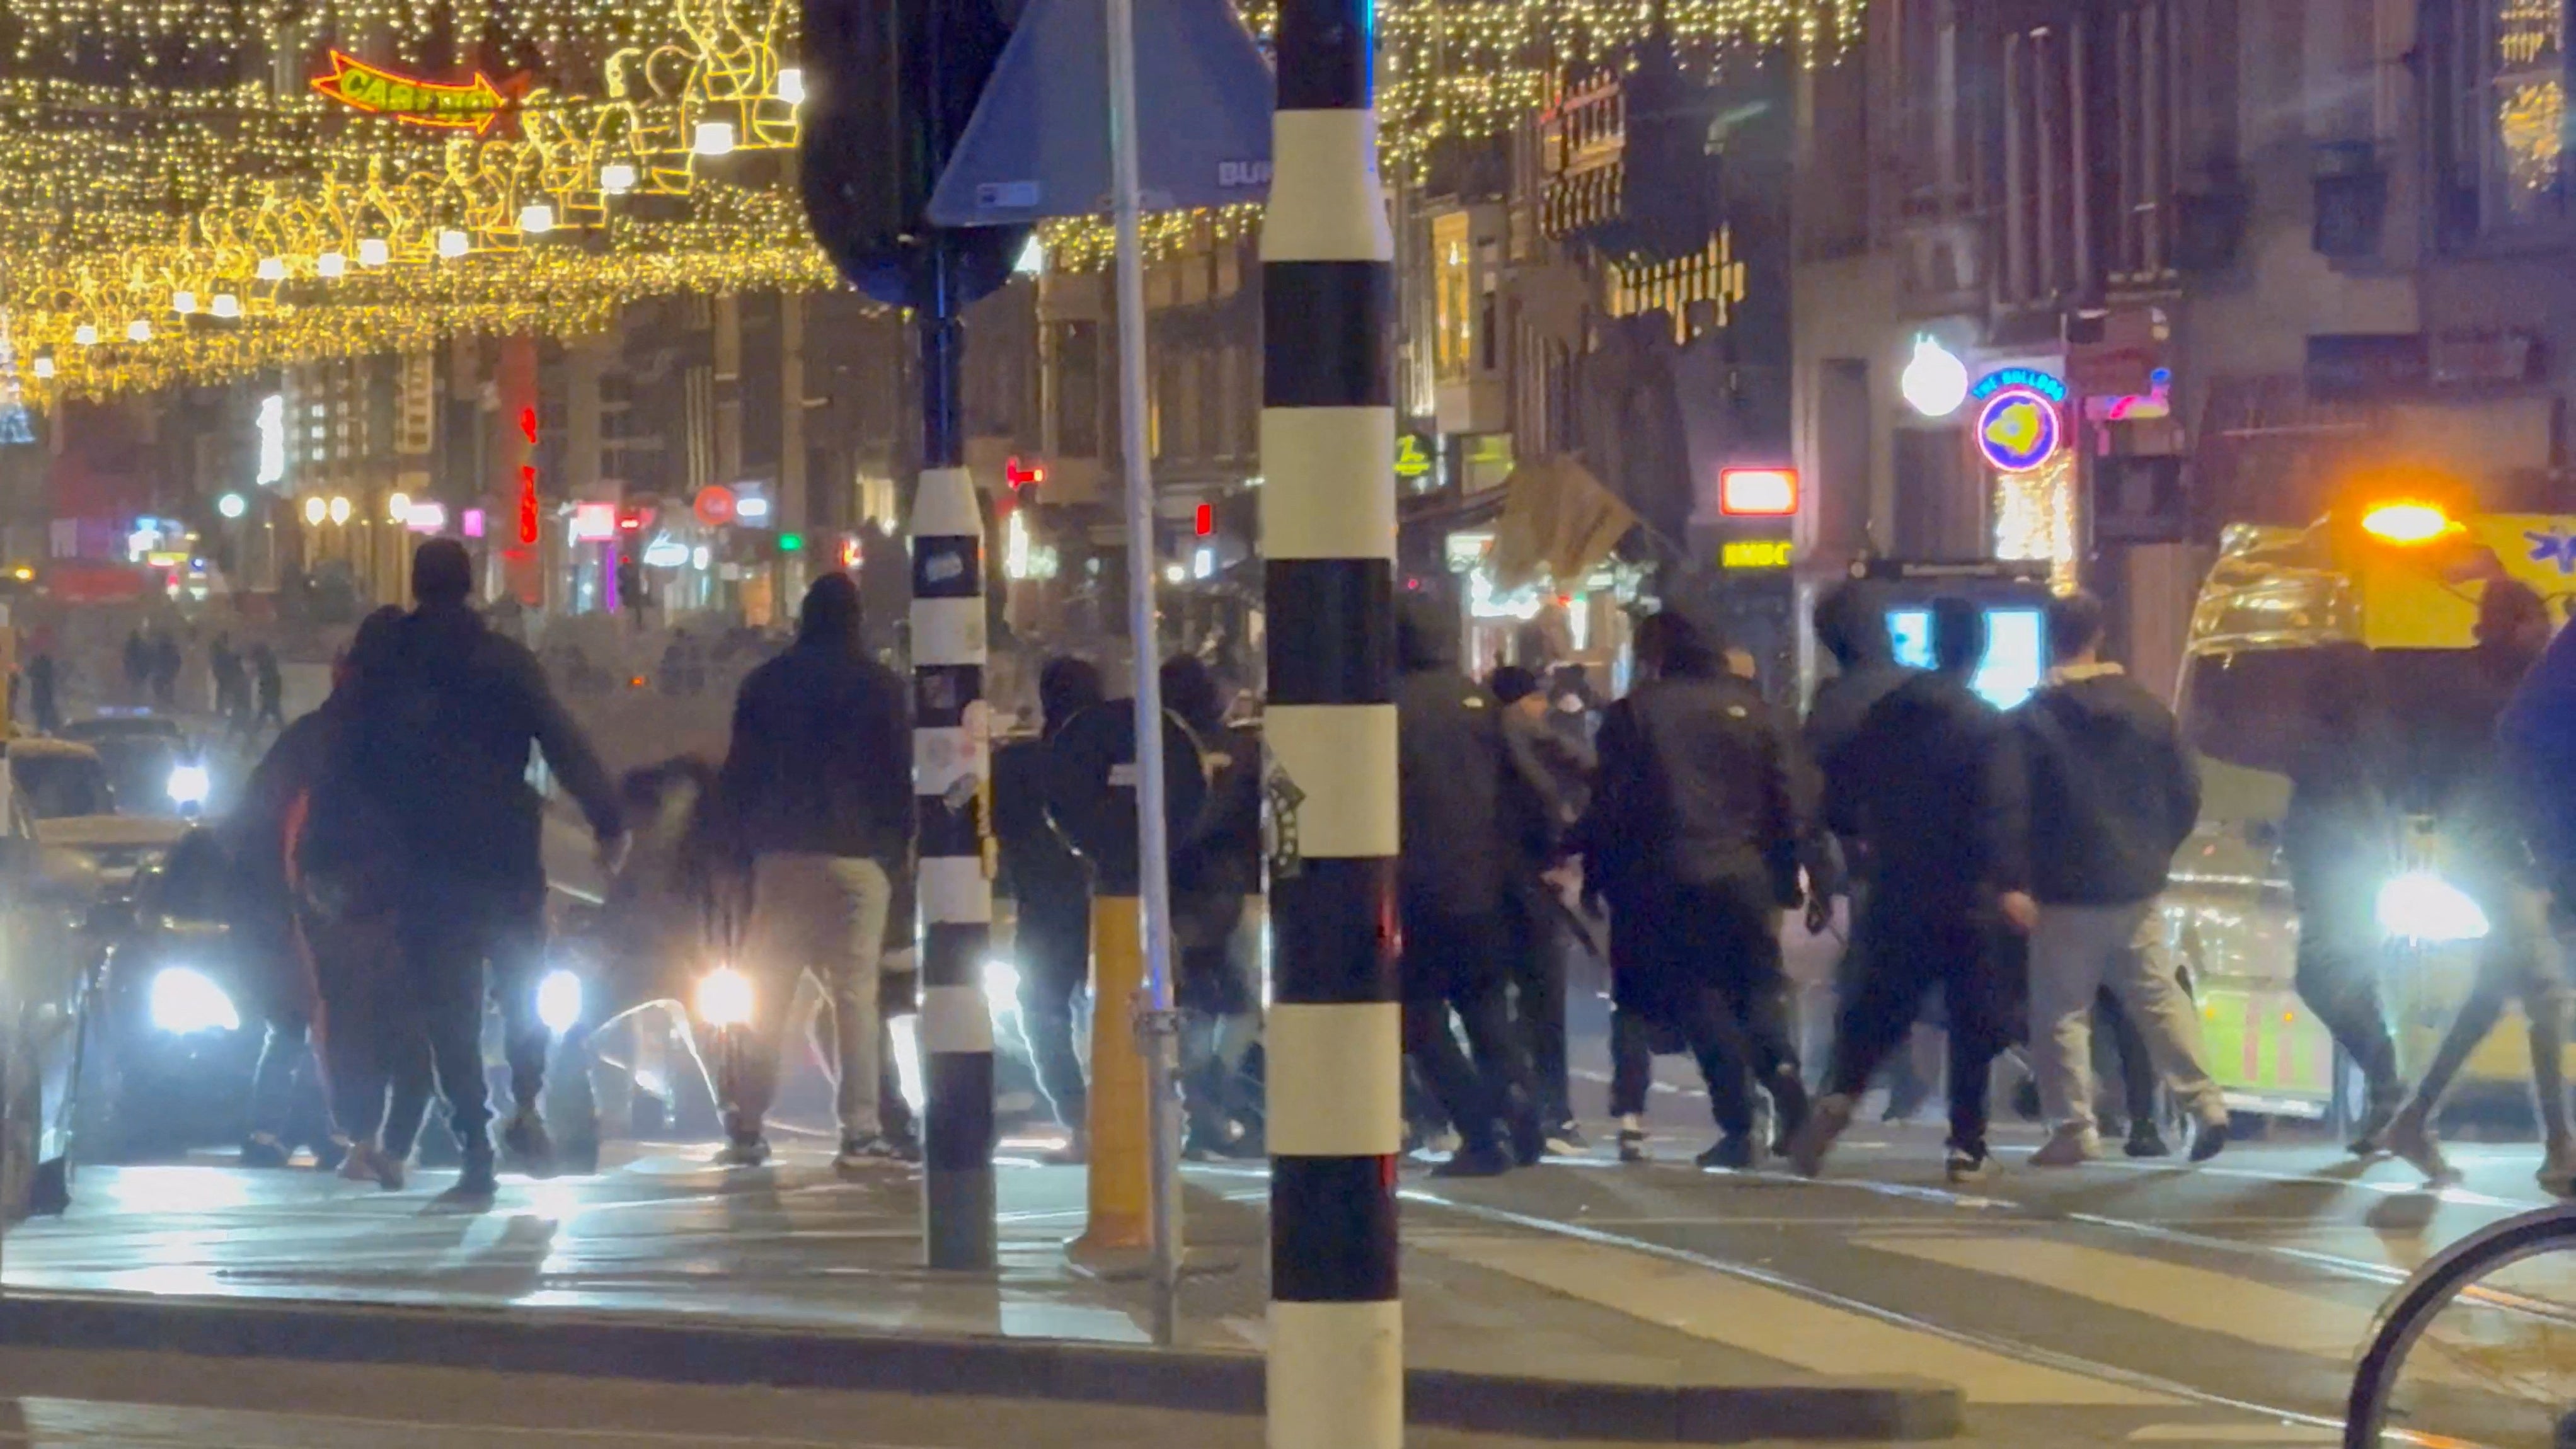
1077, 389
2526, 106
1453, 298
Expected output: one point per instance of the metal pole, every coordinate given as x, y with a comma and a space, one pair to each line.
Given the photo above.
1336, 1372
1157, 1028
951, 747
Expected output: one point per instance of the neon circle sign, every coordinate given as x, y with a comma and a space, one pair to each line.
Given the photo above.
2018, 429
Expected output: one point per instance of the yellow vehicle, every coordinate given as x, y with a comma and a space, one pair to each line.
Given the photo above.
2400, 577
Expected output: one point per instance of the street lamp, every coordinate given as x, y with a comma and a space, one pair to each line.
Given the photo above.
398, 508
315, 510
232, 505
1935, 381
340, 509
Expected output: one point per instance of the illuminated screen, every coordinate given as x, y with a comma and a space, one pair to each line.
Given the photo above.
2016, 650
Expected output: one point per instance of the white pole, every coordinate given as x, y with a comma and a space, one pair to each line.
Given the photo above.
1157, 1035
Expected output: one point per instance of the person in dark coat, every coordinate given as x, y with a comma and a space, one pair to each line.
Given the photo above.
138, 664
1216, 864
270, 680
44, 696
1051, 887
817, 794
443, 718
1692, 839
1921, 789
1450, 765
1544, 795
165, 671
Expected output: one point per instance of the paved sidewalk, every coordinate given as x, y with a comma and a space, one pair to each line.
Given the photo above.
666, 1242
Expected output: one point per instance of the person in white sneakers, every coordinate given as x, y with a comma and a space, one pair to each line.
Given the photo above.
2111, 795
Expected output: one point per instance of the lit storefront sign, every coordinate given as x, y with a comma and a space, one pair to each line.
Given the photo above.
470, 106
2019, 425
1755, 553
594, 522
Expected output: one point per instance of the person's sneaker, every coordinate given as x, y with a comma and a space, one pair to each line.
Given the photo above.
1964, 1166
2068, 1146
866, 1154
2557, 1174
475, 1188
2412, 1140
2146, 1141
1529, 1140
525, 1143
263, 1151
1632, 1144
1076, 1152
748, 1150
1491, 1161
1567, 1140
2370, 1134
2209, 1138
1826, 1120
1739, 1153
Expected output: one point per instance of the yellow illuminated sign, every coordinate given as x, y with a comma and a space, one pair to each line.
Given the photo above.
472, 106
1754, 553
1410, 460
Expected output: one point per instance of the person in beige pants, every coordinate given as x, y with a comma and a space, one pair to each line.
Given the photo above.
2112, 793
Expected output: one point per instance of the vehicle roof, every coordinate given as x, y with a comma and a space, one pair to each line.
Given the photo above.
38, 747
113, 725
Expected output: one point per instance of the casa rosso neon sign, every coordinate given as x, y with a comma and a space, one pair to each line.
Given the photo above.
446, 105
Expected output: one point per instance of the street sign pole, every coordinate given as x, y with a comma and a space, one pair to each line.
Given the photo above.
1158, 1032
1336, 1370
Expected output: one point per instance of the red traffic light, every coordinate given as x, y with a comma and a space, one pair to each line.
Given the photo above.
1757, 492
1023, 475
1207, 519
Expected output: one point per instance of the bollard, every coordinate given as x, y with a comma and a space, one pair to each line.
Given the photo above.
1122, 1163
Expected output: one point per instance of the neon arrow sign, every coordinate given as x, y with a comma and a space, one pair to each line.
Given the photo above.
472, 106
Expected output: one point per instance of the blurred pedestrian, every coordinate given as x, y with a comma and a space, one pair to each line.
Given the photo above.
138, 665
1692, 839
1051, 889
1216, 864
271, 683
444, 717
2110, 793
166, 662
1549, 785
817, 797
1450, 898
44, 697
1922, 783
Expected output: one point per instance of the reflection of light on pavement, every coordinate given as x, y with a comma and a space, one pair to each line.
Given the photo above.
180, 1189
906, 1031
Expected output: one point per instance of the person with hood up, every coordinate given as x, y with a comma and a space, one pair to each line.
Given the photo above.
1545, 794
1051, 888
442, 718
2484, 810
1451, 870
1923, 785
817, 797
1692, 839
2110, 792
1215, 864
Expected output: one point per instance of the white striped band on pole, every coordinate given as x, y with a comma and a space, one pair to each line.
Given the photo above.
951, 758
1336, 1372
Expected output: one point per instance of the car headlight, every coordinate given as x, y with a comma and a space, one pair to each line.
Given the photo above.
183, 1000
724, 997
559, 1001
190, 784
2421, 906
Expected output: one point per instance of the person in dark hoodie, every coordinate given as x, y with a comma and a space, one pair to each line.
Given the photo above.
1544, 795
1692, 839
442, 718
1051, 889
1450, 766
2110, 794
816, 802
1924, 785
2483, 810
1215, 865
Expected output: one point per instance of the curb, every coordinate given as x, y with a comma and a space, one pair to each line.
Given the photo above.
597, 1346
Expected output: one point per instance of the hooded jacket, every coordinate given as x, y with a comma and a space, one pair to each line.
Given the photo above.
821, 759
1867, 672
1696, 789
1450, 767
1929, 786
2111, 791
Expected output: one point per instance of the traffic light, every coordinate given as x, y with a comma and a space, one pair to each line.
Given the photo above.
791, 543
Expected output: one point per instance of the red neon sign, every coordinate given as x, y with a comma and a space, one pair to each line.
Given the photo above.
528, 503
471, 106
1020, 475
1207, 519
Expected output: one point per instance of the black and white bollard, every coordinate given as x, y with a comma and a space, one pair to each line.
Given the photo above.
951, 772
1336, 1371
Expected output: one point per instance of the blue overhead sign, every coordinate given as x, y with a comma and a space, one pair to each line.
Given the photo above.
1038, 146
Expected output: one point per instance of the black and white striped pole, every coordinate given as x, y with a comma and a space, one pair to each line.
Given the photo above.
950, 745
1336, 1371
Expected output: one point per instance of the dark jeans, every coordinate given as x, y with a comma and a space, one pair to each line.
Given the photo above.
1449, 966
1711, 958
1535, 953
1916, 946
1054, 949
453, 940
2112, 1030
2340, 955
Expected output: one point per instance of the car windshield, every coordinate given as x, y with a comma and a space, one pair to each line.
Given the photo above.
59, 786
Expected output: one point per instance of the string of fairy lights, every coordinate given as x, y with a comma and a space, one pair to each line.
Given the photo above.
175, 208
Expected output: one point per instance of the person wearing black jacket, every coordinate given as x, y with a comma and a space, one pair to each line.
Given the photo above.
2110, 793
1692, 839
442, 717
1923, 785
1051, 890
1543, 796
1451, 871
816, 795
1215, 865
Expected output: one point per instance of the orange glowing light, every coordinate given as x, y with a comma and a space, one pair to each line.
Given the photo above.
2406, 522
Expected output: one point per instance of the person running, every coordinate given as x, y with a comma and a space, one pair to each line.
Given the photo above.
1051, 888
270, 681
1923, 784
1551, 783
1450, 895
2484, 818
443, 717
817, 799
2110, 793
1692, 839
